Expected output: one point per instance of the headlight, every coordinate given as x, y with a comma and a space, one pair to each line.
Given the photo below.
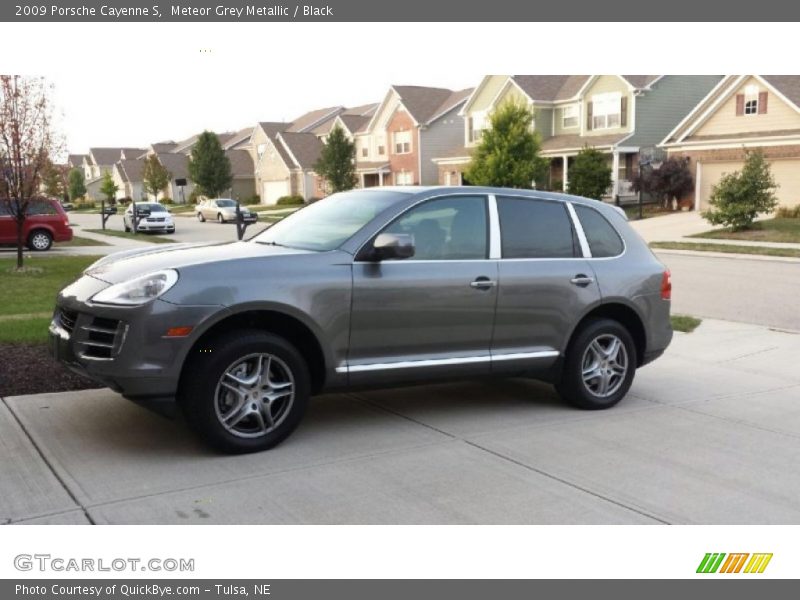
138, 291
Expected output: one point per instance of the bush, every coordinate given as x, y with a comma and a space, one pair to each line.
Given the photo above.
167, 201
785, 212
256, 199
195, 197
589, 176
741, 196
557, 185
290, 200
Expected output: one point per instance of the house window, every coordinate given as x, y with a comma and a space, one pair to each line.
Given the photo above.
569, 116
476, 124
381, 150
751, 100
402, 142
261, 149
404, 178
364, 152
606, 110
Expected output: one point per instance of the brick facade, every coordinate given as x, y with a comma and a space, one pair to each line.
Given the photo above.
402, 121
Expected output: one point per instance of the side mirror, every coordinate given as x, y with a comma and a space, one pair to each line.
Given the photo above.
389, 246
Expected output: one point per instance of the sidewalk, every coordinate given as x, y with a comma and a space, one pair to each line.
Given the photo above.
708, 434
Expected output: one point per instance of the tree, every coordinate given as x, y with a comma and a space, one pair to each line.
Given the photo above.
155, 176
589, 174
76, 185
741, 196
337, 162
53, 183
672, 180
108, 188
209, 166
27, 142
508, 153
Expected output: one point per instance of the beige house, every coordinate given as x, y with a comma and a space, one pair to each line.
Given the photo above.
743, 112
100, 161
616, 114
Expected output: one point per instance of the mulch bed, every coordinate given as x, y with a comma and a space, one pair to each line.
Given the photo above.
29, 369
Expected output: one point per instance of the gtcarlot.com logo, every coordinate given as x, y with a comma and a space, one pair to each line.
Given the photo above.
47, 562
739, 562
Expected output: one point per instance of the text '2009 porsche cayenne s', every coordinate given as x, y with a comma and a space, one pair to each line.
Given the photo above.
374, 287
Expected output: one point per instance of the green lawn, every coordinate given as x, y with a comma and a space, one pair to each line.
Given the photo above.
727, 248
81, 241
769, 230
142, 237
27, 298
684, 323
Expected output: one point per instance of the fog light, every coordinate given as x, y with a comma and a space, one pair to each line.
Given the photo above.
178, 331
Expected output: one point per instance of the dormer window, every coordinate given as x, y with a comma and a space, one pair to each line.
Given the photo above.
751, 100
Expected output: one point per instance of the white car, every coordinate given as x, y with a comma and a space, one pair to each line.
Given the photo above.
223, 210
159, 219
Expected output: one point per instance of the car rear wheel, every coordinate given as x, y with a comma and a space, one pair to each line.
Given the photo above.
40, 240
220, 218
127, 228
245, 391
599, 365
201, 218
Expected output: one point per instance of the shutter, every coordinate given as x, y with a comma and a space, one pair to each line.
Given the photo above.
623, 111
762, 103
589, 116
739, 105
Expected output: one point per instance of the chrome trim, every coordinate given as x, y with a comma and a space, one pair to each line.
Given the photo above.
495, 239
576, 223
443, 362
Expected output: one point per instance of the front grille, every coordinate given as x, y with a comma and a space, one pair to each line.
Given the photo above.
67, 319
103, 339
156, 220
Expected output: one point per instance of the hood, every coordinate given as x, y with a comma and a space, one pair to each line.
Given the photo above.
128, 264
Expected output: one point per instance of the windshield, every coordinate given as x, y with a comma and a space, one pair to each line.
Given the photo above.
328, 223
225, 203
151, 207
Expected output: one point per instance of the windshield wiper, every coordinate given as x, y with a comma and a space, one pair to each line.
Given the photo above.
272, 244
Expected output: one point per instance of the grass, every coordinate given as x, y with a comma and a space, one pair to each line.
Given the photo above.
182, 208
727, 248
272, 207
648, 211
142, 237
27, 298
779, 229
684, 323
81, 241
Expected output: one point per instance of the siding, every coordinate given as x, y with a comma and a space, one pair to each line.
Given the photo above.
543, 121
491, 86
446, 134
780, 116
659, 110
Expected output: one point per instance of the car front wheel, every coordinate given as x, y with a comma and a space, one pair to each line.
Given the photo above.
599, 365
201, 218
245, 391
40, 240
220, 218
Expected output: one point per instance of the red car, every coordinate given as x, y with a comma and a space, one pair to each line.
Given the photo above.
46, 223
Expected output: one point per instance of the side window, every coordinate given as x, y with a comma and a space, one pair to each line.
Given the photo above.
452, 228
532, 228
39, 207
604, 241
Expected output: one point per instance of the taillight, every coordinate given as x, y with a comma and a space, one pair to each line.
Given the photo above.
666, 285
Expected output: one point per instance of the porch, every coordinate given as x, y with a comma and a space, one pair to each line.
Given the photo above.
373, 174
624, 168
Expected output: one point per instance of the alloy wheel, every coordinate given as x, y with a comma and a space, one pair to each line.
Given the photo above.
254, 395
604, 365
40, 241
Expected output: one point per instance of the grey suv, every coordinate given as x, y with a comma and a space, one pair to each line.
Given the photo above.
374, 287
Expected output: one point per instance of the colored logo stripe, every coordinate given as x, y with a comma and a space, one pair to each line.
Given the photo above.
758, 563
710, 562
733, 564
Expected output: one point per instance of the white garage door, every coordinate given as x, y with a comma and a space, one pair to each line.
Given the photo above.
786, 173
274, 190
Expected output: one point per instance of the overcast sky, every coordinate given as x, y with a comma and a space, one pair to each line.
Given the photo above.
134, 84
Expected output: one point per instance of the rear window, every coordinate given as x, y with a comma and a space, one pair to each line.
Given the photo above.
532, 228
604, 241
41, 207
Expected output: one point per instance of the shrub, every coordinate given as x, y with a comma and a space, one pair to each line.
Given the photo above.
557, 185
589, 175
785, 212
256, 199
741, 196
167, 201
290, 200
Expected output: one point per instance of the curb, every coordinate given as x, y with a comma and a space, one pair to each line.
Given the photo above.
730, 255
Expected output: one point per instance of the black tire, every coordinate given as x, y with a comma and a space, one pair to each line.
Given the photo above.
572, 386
201, 218
220, 218
199, 400
39, 240
127, 229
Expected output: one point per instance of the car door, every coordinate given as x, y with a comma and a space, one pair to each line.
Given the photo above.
209, 210
545, 283
8, 227
431, 314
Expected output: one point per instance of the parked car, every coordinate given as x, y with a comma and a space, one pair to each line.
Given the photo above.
373, 287
223, 210
67, 206
45, 223
157, 219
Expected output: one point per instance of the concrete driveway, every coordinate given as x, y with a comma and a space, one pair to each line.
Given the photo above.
708, 434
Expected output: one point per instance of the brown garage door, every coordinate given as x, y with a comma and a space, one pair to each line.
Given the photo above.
785, 171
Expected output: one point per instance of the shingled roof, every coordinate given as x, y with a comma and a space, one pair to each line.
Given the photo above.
241, 163
130, 170
304, 148
108, 156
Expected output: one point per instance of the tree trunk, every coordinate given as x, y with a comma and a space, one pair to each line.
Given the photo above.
20, 241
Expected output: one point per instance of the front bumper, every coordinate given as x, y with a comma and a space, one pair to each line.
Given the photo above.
124, 348
162, 227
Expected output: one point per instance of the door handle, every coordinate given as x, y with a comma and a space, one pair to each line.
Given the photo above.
581, 280
483, 283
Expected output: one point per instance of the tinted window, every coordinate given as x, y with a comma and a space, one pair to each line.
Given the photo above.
452, 228
535, 228
603, 239
224, 203
39, 207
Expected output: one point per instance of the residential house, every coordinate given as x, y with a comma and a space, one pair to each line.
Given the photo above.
75, 161
412, 125
243, 186
286, 166
127, 175
100, 161
743, 112
177, 163
616, 114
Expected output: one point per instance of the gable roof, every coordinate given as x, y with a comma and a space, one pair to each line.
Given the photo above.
788, 85
640, 81
130, 170
167, 146
422, 102
176, 163
550, 88
273, 128
303, 148
109, 156
76, 160
239, 138
365, 110
314, 118
241, 163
